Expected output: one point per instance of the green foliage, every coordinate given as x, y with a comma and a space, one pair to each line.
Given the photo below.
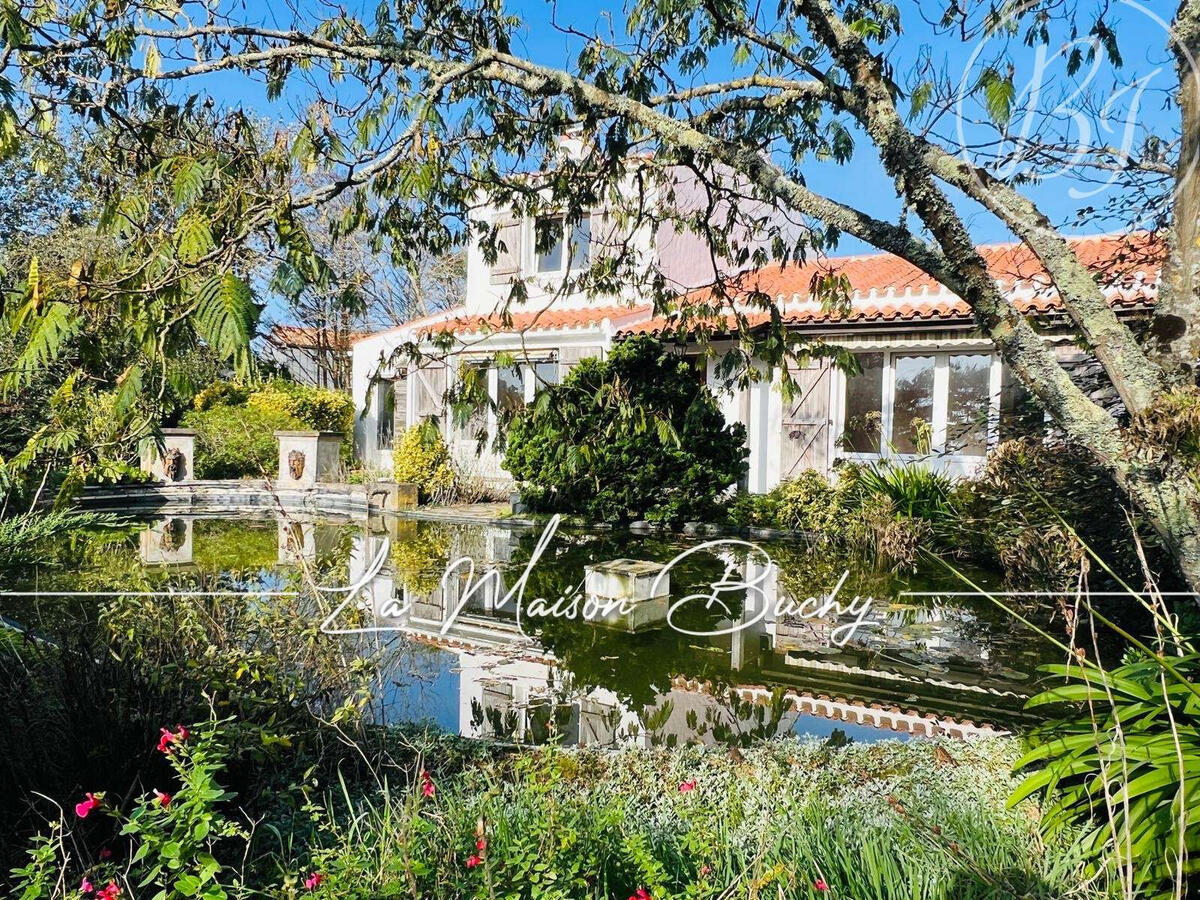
914, 491
173, 844
881, 821
222, 393
420, 552
633, 436
317, 408
1035, 506
1123, 762
885, 511
807, 502
421, 457
236, 424
238, 441
23, 538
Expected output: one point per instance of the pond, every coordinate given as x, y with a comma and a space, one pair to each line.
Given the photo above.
926, 659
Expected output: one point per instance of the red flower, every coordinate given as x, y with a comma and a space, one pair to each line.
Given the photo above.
473, 861
313, 881
169, 737
481, 844
110, 892
820, 884
685, 786
85, 886
86, 805
164, 800
640, 894
427, 786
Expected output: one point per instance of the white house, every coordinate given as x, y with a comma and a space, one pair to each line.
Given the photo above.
931, 387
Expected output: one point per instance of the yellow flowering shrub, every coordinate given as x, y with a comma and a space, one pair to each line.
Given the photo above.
422, 458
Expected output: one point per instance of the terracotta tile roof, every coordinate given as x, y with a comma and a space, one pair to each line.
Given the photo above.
411, 324
542, 319
306, 338
885, 288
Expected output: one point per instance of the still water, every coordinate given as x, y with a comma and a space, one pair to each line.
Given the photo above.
926, 659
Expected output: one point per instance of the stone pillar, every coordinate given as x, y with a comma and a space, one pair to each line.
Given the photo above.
306, 457
175, 463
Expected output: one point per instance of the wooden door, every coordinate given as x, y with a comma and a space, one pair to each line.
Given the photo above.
806, 422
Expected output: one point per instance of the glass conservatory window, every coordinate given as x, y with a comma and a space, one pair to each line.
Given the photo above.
912, 404
921, 403
967, 403
864, 405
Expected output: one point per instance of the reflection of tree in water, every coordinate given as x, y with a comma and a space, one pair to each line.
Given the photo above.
635, 666
728, 719
920, 628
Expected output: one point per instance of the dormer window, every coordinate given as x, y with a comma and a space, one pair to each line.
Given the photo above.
551, 259
577, 245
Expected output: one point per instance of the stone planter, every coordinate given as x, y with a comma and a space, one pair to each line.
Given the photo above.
631, 582
308, 457
176, 462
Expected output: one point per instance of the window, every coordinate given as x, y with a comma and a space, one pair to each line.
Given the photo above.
864, 405
577, 252
967, 403
1020, 415
550, 259
510, 388
920, 403
581, 243
912, 404
385, 426
545, 374
472, 399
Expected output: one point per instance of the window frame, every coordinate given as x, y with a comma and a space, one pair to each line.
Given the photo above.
566, 265
941, 385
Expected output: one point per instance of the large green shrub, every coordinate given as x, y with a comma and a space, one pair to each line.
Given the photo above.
236, 424
238, 441
633, 436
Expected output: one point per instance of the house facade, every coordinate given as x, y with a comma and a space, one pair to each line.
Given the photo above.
930, 388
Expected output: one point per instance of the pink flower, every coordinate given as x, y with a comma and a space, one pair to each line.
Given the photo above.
169, 737
820, 885
427, 786
473, 861
85, 886
110, 892
640, 894
105, 853
86, 805
705, 870
313, 881
685, 786
164, 800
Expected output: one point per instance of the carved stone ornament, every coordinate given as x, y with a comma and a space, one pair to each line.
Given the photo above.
174, 464
173, 534
296, 464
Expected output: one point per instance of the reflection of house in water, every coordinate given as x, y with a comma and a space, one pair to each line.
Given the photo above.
912, 669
